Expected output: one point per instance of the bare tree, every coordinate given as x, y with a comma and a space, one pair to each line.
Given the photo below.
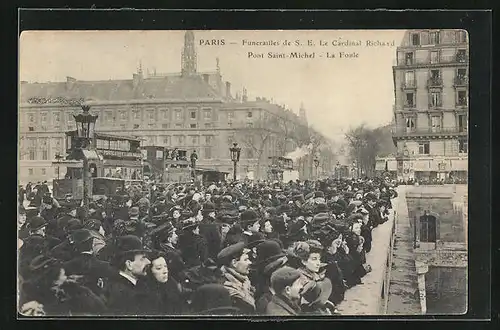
364, 145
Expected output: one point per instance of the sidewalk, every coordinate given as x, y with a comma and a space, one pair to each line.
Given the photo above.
365, 299
403, 289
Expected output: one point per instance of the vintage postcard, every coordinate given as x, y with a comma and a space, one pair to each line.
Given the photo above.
270, 173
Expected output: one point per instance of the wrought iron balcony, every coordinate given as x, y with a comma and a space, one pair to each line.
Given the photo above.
461, 81
410, 84
428, 131
435, 82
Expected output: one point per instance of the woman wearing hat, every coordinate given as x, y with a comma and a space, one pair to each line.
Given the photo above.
160, 292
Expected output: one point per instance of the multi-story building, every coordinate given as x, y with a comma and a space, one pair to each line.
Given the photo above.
431, 105
191, 110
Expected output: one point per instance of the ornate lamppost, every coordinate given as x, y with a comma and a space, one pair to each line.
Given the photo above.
85, 126
235, 157
337, 170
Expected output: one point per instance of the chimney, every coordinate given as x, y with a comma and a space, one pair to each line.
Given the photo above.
70, 82
205, 78
228, 89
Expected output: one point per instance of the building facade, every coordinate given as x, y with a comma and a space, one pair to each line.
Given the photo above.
190, 110
431, 105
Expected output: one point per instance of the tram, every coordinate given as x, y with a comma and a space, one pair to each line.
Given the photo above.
111, 160
281, 169
166, 165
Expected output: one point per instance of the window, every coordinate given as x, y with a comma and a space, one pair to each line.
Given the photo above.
230, 115
461, 36
415, 39
461, 74
151, 125
159, 154
43, 118
409, 58
194, 140
409, 100
123, 115
423, 148
250, 125
108, 116
165, 115
435, 74
30, 171
192, 114
207, 153
192, 125
462, 123
179, 140
166, 140
250, 114
165, 126
57, 118
410, 79
151, 115
178, 114
44, 149
31, 118
44, 171
435, 99
434, 38
428, 228
136, 126
436, 123
461, 56
410, 124
434, 57
249, 153
208, 125
230, 124
178, 126
207, 114
208, 139
31, 129
462, 98
462, 146
136, 114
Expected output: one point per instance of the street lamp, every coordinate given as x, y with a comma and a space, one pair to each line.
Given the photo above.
337, 169
58, 158
85, 126
235, 157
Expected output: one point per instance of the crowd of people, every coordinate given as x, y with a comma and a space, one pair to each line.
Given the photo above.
226, 248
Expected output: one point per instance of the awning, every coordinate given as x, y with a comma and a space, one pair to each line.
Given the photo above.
91, 155
392, 165
422, 165
69, 163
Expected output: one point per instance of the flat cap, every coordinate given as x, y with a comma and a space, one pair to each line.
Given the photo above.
231, 252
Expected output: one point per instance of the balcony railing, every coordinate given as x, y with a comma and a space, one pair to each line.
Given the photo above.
435, 105
435, 82
408, 105
409, 84
443, 59
403, 131
461, 81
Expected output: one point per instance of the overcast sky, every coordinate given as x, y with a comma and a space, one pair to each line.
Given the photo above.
337, 93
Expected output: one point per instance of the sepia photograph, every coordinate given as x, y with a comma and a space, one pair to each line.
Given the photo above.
273, 173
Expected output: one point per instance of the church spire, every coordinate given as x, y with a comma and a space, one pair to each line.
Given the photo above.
188, 59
